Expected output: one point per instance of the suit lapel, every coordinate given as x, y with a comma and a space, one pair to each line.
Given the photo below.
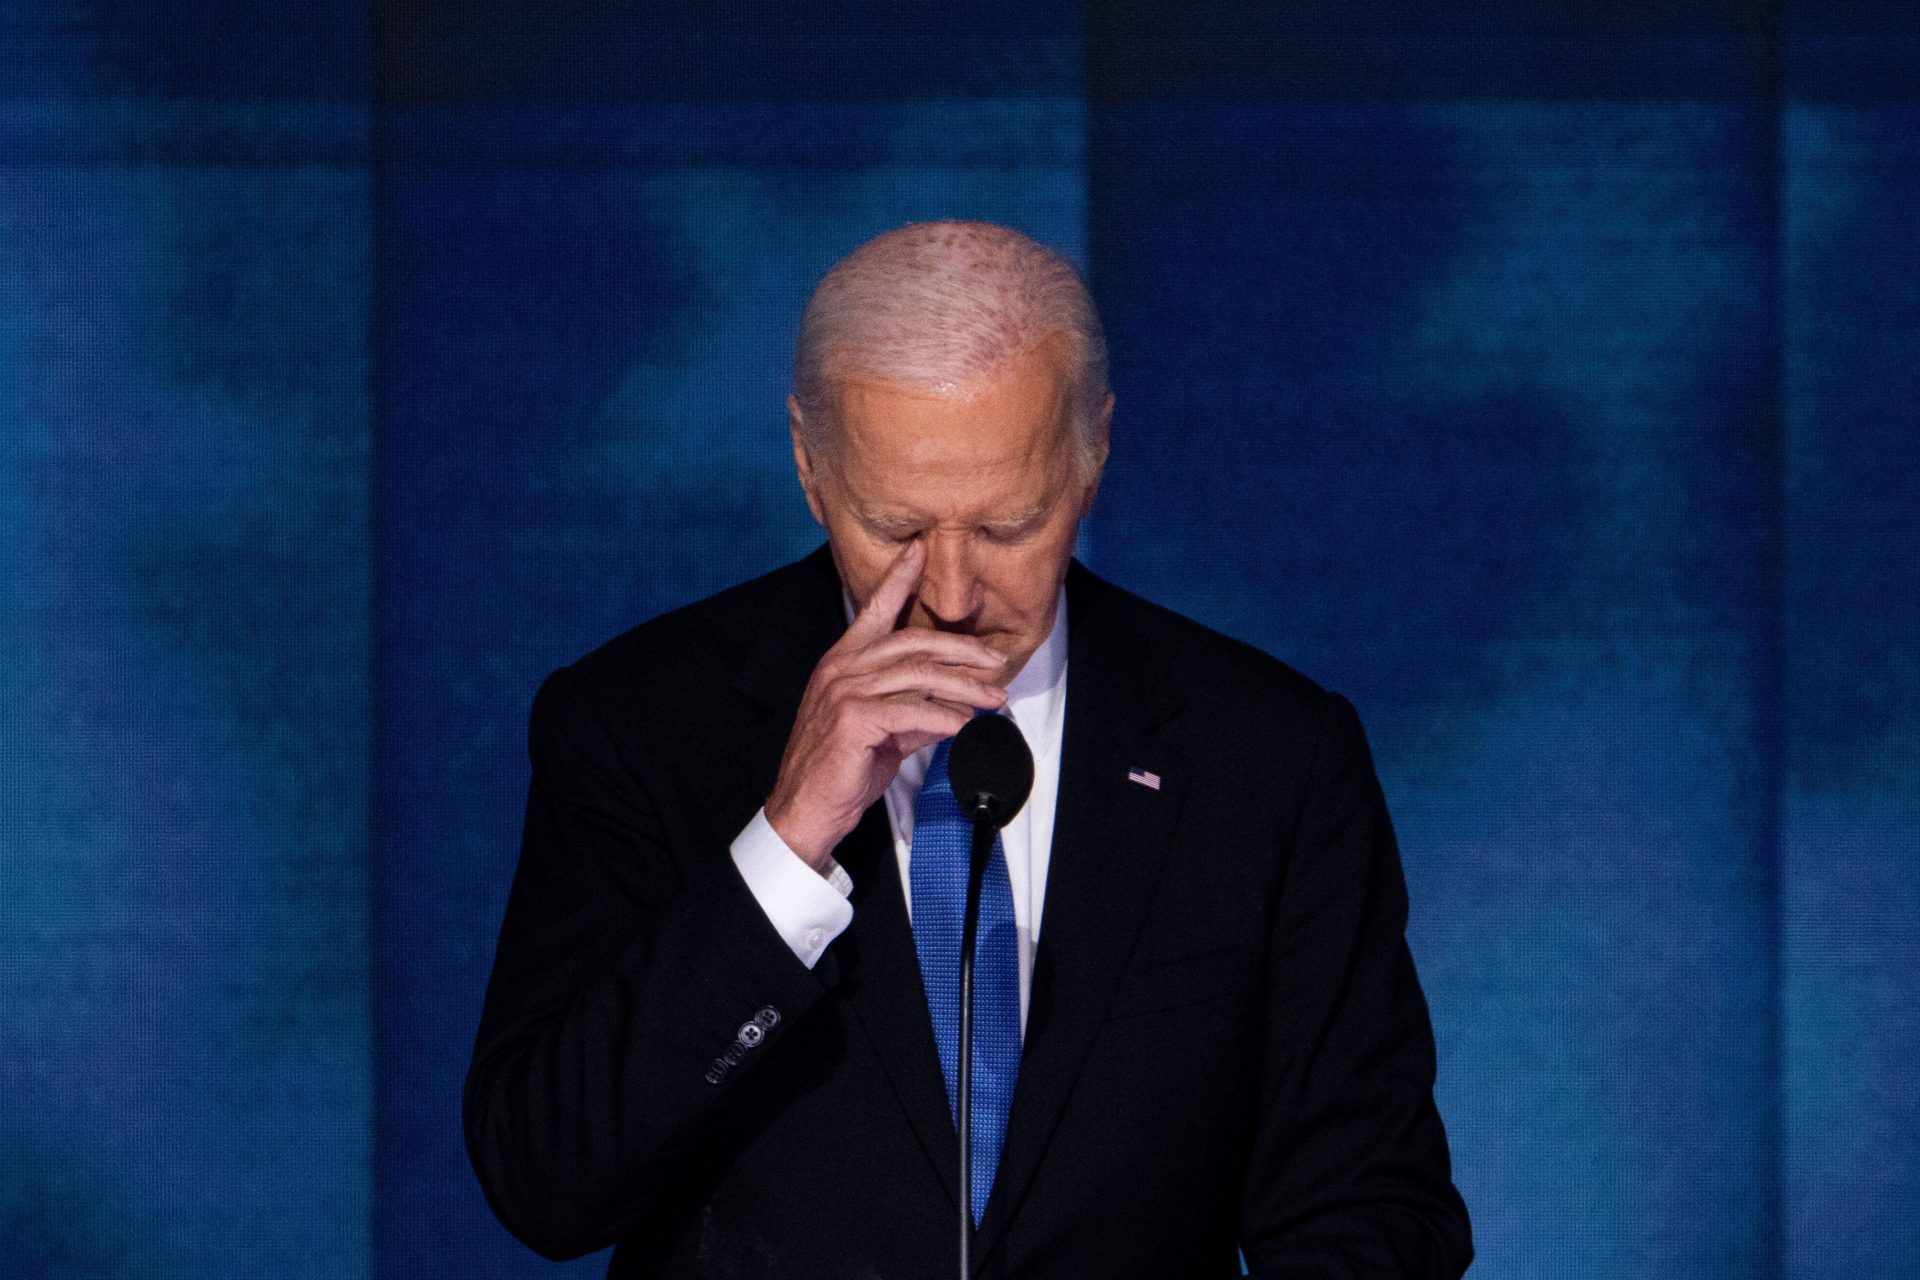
877, 967
1109, 843
796, 625
880, 980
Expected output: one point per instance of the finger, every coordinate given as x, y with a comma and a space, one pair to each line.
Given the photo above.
909, 741
884, 605
908, 715
905, 744
948, 647
930, 680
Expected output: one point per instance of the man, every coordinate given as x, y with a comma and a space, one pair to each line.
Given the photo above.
720, 1028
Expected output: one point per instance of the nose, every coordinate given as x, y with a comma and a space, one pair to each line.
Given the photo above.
948, 584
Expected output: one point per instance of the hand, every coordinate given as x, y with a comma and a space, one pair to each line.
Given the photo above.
876, 697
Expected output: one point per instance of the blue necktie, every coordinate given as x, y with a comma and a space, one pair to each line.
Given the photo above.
938, 870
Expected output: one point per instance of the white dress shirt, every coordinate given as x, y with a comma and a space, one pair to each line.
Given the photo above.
810, 910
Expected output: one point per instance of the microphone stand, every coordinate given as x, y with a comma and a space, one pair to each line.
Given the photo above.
991, 770
984, 831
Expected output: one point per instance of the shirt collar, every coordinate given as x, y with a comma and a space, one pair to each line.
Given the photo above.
1034, 697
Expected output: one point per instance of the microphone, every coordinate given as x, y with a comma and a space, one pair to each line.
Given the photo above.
991, 769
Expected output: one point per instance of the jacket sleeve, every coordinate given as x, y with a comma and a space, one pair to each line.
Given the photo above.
635, 984
1350, 1176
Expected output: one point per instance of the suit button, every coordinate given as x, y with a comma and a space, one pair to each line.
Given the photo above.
768, 1018
716, 1072
751, 1034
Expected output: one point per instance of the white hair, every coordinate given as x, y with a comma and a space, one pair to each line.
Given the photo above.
938, 306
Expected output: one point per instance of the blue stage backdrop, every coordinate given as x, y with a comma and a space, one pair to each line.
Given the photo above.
1543, 378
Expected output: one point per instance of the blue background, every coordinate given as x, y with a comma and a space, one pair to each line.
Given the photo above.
1542, 377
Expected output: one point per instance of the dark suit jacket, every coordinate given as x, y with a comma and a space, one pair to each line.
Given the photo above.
1226, 1043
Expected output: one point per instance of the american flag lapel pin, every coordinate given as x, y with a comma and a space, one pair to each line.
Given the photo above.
1151, 781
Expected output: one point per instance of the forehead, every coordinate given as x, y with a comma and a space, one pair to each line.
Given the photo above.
1002, 442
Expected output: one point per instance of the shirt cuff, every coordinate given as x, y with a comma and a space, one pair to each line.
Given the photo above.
807, 909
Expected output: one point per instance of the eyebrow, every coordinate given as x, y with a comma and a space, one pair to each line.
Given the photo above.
900, 521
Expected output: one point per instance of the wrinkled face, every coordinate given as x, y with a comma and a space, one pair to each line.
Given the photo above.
992, 482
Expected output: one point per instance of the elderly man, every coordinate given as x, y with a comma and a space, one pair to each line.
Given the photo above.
721, 1028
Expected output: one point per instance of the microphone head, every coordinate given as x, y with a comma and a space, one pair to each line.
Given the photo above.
991, 769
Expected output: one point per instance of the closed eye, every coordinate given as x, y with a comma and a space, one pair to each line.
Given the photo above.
1013, 534
895, 533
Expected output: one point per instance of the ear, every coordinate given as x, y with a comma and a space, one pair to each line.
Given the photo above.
1097, 465
802, 462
